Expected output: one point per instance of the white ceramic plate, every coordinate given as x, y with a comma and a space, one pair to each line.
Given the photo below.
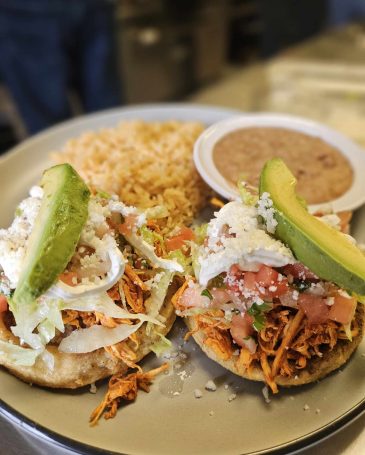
203, 158
162, 422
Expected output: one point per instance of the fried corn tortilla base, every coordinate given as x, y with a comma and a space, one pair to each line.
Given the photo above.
72, 371
316, 368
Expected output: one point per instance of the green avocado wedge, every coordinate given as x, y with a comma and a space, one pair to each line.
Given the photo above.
325, 251
62, 215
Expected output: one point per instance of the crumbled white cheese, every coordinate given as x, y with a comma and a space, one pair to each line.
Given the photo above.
234, 236
183, 375
93, 388
96, 234
265, 392
36, 192
198, 393
266, 210
210, 385
13, 241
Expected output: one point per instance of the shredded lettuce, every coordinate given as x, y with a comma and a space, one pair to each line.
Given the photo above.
146, 250
95, 337
245, 195
347, 329
29, 316
150, 236
200, 233
161, 346
36, 323
155, 213
47, 331
182, 259
158, 293
195, 259
102, 303
147, 234
18, 355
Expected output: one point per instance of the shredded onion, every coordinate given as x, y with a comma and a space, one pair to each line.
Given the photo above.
97, 336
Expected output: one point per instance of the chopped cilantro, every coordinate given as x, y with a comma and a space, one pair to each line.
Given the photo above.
18, 211
218, 282
301, 285
257, 312
206, 293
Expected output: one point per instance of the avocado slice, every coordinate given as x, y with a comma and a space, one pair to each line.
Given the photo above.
325, 251
62, 215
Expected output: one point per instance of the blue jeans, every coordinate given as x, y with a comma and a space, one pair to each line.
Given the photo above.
48, 46
343, 11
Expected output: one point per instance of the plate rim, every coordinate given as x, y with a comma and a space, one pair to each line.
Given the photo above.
39, 431
293, 446
143, 107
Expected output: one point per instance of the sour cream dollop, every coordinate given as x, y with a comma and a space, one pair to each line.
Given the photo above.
234, 236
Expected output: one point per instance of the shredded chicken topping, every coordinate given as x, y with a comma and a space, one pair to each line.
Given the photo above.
123, 387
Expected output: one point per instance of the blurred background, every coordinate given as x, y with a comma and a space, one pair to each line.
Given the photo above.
62, 58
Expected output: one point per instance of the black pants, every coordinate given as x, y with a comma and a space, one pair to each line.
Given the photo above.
46, 46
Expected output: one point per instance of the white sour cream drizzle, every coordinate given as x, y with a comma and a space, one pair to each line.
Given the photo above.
234, 236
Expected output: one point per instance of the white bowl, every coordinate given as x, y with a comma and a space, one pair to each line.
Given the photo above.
203, 156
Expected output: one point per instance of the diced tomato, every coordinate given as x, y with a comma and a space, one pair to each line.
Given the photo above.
278, 289
300, 272
220, 296
68, 278
3, 304
178, 241
192, 298
266, 276
314, 307
266, 283
241, 328
343, 309
250, 281
274, 285
235, 270
129, 224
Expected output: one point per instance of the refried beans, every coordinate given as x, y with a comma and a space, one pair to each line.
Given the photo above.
322, 172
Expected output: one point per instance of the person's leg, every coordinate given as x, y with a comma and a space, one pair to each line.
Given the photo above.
340, 12
33, 66
98, 77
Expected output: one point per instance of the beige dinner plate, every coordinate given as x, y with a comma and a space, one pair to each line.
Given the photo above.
234, 419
